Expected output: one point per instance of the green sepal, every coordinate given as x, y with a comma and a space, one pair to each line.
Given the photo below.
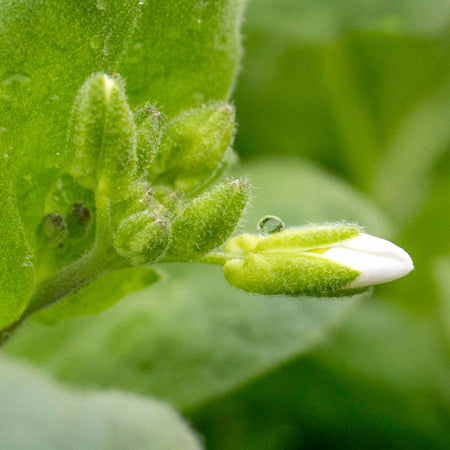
193, 147
142, 238
304, 238
208, 220
103, 135
289, 273
149, 133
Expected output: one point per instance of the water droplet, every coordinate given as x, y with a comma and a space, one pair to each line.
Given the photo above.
28, 261
270, 224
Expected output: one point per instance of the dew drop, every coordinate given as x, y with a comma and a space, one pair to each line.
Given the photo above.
28, 261
270, 224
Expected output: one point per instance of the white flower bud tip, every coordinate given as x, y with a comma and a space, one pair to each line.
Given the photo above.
378, 260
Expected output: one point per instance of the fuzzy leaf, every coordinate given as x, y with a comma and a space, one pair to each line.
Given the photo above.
184, 53
16, 263
39, 414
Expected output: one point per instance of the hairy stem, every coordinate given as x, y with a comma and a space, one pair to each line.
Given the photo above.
67, 281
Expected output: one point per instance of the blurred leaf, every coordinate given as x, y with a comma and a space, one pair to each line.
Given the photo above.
99, 295
346, 83
442, 276
305, 20
380, 382
37, 413
192, 337
422, 139
16, 264
301, 193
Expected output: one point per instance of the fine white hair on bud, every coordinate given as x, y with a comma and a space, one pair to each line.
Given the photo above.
377, 260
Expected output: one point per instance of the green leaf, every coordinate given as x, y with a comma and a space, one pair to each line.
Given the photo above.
48, 49
175, 54
442, 277
16, 260
184, 53
193, 337
37, 413
99, 295
382, 379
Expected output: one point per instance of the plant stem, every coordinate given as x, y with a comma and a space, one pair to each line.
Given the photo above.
217, 258
67, 281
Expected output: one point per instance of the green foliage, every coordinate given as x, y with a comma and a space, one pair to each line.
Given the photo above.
78, 163
192, 337
37, 413
16, 264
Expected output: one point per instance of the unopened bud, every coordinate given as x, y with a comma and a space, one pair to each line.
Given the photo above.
53, 231
78, 220
193, 147
329, 260
142, 238
208, 220
103, 134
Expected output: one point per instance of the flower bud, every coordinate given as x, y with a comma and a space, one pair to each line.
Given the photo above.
208, 220
142, 238
329, 260
78, 220
53, 231
193, 147
103, 134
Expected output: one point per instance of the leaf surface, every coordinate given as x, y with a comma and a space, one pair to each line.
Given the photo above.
38, 413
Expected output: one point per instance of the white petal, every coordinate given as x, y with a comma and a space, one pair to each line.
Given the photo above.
378, 260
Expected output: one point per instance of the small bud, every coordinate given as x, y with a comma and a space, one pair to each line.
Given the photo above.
142, 238
78, 220
149, 133
53, 231
193, 147
103, 136
330, 260
208, 220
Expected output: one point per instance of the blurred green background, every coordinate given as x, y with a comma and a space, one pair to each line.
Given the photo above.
343, 110
360, 89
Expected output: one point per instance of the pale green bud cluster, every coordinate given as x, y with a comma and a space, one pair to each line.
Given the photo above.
146, 177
